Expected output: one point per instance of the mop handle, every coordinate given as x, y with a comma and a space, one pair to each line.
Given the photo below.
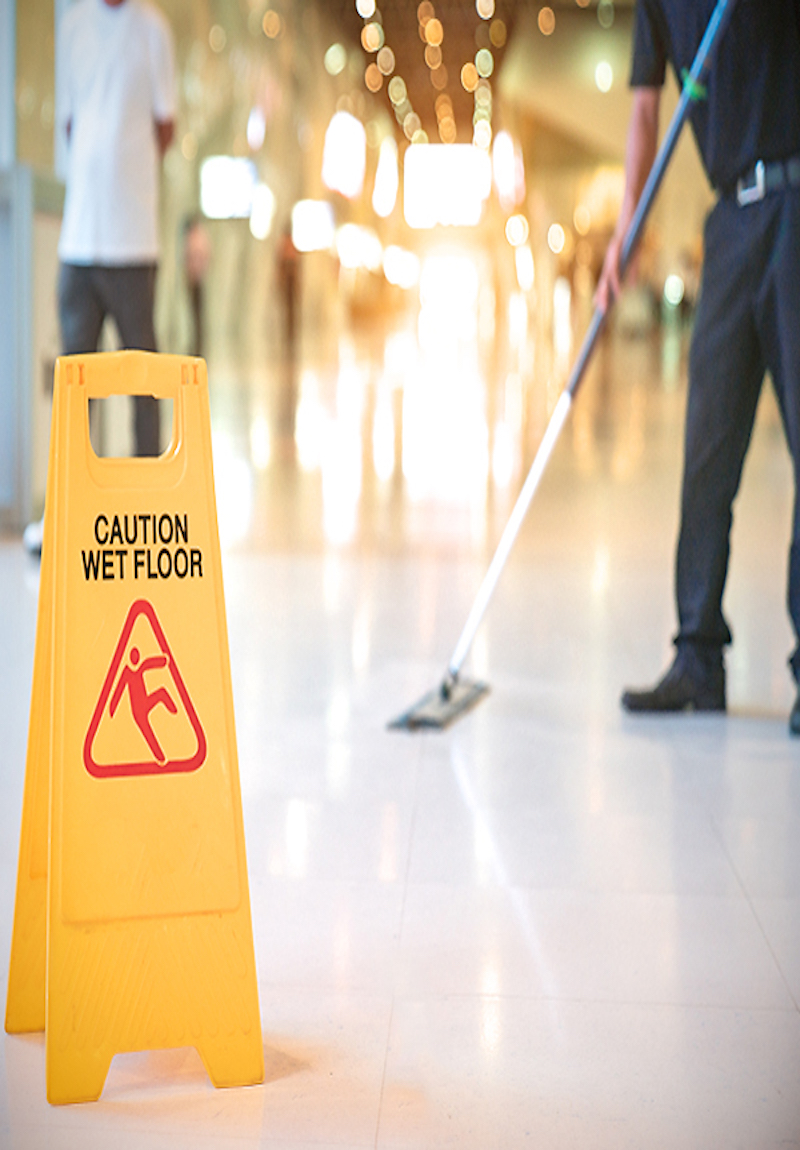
692, 90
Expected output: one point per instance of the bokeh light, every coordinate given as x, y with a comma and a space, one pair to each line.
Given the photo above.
335, 60
517, 230
373, 78
604, 76
484, 63
547, 21
469, 77
498, 33
372, 37
556, 238
272, 24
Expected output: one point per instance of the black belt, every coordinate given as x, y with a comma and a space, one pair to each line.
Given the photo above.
763, 178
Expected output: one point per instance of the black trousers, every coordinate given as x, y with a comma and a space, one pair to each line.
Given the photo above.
748, 322
89, 293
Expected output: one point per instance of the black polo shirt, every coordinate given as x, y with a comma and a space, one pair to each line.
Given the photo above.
751, 110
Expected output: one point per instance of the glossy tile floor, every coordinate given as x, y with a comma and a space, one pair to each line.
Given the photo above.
552, 925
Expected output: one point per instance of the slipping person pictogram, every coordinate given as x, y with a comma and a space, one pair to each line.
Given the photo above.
143, 702
108, 755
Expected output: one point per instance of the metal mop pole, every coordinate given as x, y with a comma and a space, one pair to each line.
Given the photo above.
691, 87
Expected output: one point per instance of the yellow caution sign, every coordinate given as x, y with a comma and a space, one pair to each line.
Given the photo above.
132, 926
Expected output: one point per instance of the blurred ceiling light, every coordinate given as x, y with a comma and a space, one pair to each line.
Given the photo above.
484, 62
359, 247
445, 184
547, 21
434, 32
335, 59
604, 76
439, 78
425, 12
411, 124
372, 37
483, 94
373, 78
344, 155
485, 9
448, 132
674, 290
605, 13
420, 137
582, 219
272, 24
263, 212
517, 230
256, 129
385, 61
482, 135
227, 184
433, 55
469, 77
217, 38
387, 179
504, 167
583, 3
401, 267
397, 89
498, 33
524, 266
556, 239
312, 226
365, 9
449, 283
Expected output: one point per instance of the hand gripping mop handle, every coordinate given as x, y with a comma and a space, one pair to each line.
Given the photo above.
692, 86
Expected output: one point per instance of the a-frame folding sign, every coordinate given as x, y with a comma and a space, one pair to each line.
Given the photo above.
132, 926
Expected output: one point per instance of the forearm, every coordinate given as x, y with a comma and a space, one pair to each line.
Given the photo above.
639, 157
641, 150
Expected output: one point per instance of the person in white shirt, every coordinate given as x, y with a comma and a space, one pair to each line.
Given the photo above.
115, 100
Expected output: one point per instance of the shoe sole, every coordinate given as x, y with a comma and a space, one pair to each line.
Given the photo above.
685, 708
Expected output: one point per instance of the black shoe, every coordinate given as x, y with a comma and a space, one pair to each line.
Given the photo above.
794, 717
691, 684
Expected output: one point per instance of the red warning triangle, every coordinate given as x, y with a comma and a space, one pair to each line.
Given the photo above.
144, 722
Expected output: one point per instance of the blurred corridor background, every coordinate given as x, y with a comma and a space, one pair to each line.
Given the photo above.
382, 229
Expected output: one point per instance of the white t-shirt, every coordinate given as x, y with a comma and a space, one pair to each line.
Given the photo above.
115, 77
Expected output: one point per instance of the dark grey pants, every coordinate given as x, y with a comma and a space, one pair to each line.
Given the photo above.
748, 322
89, 293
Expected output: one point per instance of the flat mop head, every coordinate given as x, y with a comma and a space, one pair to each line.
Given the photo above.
440, 707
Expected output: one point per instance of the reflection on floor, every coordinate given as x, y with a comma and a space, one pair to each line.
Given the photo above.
552, 925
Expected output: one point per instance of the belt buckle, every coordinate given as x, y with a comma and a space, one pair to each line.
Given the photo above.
752, 193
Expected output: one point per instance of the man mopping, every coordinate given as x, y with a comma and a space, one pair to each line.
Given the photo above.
746, 120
